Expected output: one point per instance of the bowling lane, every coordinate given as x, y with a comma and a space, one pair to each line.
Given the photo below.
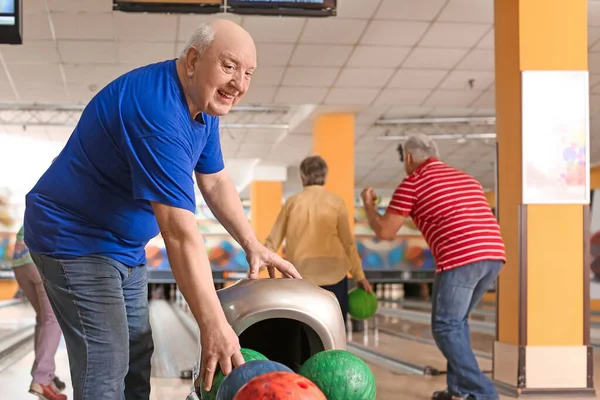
16, 316
414, 320
15, 378
409, 351
17, 322
477, 315
175, 349
482, 308
480, 341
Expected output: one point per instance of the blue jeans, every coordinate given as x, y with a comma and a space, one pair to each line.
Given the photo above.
455, 293
102, 308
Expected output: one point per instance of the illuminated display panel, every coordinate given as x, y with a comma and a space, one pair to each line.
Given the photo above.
324, 8
7, 12
11, 29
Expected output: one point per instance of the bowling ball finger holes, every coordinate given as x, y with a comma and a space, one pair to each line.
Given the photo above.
303, 385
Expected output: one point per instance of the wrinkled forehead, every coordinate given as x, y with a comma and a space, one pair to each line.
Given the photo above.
241, 51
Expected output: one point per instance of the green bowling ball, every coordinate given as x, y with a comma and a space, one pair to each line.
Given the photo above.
361, 304
340, 375
248, 354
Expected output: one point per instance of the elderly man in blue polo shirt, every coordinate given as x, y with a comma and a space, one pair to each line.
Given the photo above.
124, 176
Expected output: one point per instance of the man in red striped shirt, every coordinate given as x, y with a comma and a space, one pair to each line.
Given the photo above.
451, 211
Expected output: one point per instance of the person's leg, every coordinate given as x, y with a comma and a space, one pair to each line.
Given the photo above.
491, 270
23, 277
451, 375
50, 333
46, 335
340, 290
87, 298
141, 345
453, 296
49, 330
342, 296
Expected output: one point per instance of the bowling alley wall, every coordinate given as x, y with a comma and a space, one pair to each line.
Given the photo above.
407, 252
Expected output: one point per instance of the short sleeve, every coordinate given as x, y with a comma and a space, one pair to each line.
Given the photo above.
211, 158
403, 199
21, 255
161, 171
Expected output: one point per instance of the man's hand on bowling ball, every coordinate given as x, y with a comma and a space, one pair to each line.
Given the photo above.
259, 256
365, 285
220, 347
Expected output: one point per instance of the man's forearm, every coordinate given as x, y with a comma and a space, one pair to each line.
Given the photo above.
224, 201
192, 272
374, 218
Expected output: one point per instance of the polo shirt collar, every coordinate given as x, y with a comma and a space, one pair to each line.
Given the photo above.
425, 163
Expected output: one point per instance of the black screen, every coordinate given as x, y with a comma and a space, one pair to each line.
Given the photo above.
284, 7
169, 6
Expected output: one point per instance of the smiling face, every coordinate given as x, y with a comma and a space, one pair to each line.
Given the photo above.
220, 77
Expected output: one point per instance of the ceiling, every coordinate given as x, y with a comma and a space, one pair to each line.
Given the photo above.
377, 59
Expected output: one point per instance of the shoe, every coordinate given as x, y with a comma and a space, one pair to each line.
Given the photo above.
60, 385
445, 395
46, 392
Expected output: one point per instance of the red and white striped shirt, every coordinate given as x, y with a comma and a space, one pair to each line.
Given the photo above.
451, 211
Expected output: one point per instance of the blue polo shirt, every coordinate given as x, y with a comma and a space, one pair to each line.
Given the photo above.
136, 142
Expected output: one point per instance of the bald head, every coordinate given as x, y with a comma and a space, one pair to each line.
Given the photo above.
221, 32
216, 65
222, 26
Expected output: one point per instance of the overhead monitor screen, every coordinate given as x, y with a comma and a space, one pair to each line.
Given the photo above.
11, 22
315, 8
169, 6
7, 12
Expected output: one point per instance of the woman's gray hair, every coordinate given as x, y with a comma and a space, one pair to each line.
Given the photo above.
200, 39
421, 147
313, 171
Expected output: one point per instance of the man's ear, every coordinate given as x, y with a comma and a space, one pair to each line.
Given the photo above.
190, 60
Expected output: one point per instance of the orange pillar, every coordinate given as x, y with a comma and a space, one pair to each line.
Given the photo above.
491, 198
265, 203
542, 341
333, 139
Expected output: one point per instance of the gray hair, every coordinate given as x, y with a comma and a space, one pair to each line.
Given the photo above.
313, 170
200, 39
421, 147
